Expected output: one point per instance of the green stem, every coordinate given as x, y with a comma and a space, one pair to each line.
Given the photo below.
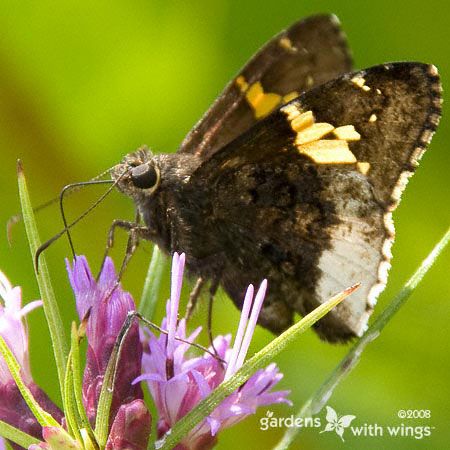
13, 434
77, 383
152, 285
315, 403
51, 310
70, 411
107, 391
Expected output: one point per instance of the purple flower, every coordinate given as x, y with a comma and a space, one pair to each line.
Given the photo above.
105, 307
108, 306
13, 329
178, 383
131, 427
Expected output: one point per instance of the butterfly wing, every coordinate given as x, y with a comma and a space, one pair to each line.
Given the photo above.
305, 197
307, 54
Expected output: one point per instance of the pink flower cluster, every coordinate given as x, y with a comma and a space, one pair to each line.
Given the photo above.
177, 381
105, 306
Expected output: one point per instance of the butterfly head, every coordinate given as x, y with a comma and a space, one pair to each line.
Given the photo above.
138, 174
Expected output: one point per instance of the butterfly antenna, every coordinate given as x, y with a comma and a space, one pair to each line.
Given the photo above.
13, 220
67, 227
67, 190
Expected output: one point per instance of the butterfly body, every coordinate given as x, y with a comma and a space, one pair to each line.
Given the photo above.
292, 176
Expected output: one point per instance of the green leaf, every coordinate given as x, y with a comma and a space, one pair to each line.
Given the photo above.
321, 396
152, 285
77, 384
45, 287
44, 418
70, 411
258, 361
13, 434
106, 394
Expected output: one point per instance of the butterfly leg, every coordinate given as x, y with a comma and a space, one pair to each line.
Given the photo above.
124, 224
136, 231
193, 297
132, 244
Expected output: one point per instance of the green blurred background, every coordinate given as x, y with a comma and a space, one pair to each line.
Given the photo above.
82, 83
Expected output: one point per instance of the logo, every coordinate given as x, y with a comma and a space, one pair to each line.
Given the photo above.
418, 426
337, 423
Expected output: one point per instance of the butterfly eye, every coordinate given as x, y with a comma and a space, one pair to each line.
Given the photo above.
144, 176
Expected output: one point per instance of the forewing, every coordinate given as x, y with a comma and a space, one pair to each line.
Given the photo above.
307, 54
345, 421
331, 415
305, 197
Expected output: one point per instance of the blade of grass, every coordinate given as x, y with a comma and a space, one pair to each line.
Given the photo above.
51, 310
321, 396
13, 434
152, 284
77, 383
70, 411
105, 400
258, 361
107, 391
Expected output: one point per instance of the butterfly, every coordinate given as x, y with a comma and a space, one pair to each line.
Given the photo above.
337, 423
292, 175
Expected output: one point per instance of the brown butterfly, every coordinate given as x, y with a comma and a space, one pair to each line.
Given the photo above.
292, 175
